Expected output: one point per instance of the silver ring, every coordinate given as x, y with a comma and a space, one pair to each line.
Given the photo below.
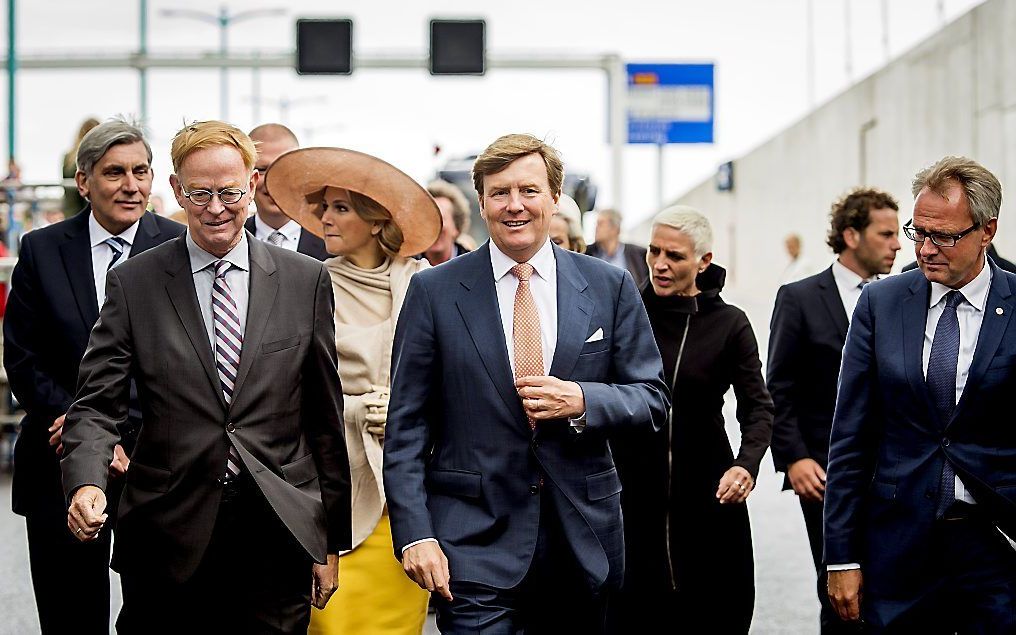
742, 488
78, 531
738, 483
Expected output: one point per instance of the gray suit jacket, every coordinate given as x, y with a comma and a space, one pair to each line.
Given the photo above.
285, 419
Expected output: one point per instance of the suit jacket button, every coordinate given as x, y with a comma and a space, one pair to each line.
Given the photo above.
230, 427
945, 442
534, 489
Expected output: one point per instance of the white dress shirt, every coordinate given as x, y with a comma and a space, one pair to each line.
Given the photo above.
102, 253
849, 285
238, 279
543, 285
290, 233
970, 314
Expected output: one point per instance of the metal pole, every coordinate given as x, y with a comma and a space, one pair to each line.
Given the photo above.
143, 72
12, 67
618, 81
255, 89
941, 11
224, 70
885, 29
848, 56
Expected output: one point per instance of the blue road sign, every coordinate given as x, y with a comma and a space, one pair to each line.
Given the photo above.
670, 103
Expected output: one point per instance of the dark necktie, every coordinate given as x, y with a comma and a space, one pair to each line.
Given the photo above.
228, 342
116, 248
941, 380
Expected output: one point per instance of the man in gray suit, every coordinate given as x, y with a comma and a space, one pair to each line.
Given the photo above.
238, 489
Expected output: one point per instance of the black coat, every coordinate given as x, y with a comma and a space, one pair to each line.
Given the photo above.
806, 339
709, 544
50, 312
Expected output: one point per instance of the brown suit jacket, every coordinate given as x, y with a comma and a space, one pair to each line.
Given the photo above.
285, 419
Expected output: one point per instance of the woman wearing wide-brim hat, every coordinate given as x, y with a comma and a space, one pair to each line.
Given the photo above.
373, 218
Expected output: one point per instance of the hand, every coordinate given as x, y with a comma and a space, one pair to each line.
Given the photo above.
118, 466
86, 514
376, 403
808, 479
56, 440
845, 593
324, 580
427, 565
550, 397
735, 485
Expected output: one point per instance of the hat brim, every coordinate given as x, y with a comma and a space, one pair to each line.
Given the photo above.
296, 179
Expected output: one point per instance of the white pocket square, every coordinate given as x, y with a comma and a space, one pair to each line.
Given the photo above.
595, 337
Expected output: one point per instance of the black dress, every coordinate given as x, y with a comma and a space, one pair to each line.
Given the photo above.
686, 556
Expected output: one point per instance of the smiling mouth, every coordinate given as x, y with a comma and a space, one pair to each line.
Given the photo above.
218, 223
516, 223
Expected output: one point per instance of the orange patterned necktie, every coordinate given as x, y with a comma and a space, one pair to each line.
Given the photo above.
526, 329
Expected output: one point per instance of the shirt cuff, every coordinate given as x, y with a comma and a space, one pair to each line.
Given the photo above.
417, 542
850, 566
578, 424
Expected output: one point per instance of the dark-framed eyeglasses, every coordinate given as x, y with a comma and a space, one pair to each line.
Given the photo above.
228, 195
937, 238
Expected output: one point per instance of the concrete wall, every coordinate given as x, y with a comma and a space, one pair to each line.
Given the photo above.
952, 94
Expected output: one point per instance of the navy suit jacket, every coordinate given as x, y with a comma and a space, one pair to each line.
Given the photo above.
888, 444
50, 312
461, 463
806, 337
308, 245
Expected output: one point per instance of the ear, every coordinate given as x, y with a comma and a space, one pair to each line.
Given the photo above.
852, 237
704, 261
82, 182
174, 182
255, 178
376, 229
557, 197
989, 232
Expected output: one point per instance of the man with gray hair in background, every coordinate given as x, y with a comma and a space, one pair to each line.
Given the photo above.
454, 219
608, 247
57, 289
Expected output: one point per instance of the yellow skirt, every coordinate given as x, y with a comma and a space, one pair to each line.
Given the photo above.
375, 596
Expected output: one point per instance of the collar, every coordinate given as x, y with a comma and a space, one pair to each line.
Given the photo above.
97, 234
238, 256
544, 264
975, 292
845, 278
290, 230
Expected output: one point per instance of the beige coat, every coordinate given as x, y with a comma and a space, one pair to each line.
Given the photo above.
367, 305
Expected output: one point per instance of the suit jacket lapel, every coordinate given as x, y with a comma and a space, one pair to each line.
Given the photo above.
76, 253
830, 295
992, 328
913, 317
147, 235
263, 288
574, 310
185, 300
478, 307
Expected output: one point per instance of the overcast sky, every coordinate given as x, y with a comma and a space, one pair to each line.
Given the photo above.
759, 48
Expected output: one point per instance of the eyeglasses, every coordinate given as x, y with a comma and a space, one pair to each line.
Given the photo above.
228, 196
937, 238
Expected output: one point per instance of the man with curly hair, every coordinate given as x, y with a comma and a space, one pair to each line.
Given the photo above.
808, 329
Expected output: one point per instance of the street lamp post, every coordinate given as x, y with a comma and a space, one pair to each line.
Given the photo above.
223, 19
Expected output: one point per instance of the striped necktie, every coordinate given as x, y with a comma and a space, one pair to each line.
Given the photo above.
276, 238
228, 342
117, 246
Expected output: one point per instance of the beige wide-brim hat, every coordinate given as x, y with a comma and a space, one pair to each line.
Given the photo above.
297, 179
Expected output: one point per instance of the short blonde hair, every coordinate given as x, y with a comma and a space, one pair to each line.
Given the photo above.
500, 154
982, 189
208, 134
692, 223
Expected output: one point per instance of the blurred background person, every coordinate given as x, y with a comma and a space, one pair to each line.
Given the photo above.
566, 225
73, 201
270, 224
688, 548
157, 205
372, 218
608, 246
806, 337
799, 266
454, 222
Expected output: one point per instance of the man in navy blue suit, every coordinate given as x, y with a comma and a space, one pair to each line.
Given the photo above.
511, 365
921, 489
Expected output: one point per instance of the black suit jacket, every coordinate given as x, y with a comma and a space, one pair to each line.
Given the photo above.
806, 339
50, 312
634, 258
285, 418
309, 244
